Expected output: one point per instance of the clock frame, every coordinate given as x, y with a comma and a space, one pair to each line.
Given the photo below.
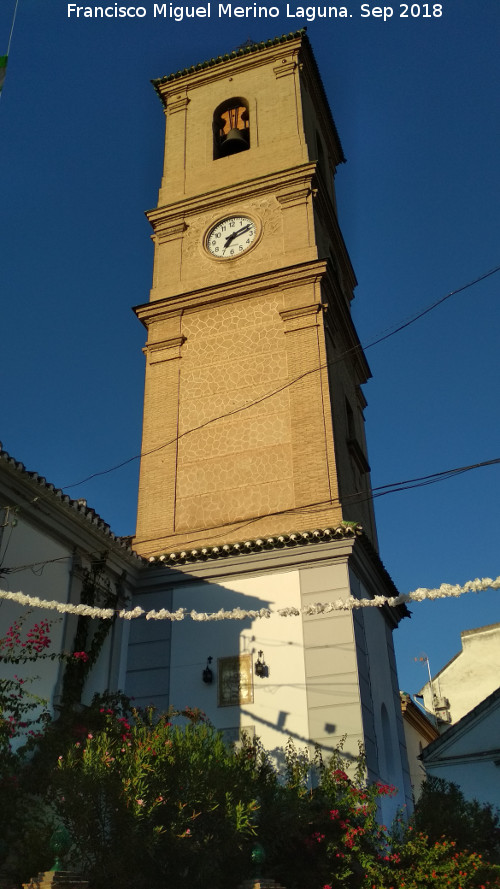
232, 236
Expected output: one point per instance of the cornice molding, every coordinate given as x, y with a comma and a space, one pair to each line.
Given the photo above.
310, 273
221, 67
291, 184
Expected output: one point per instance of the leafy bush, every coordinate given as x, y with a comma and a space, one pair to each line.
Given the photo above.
151, 803
156, 801
442, 810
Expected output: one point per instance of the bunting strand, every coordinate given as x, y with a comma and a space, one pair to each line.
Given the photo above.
444, 591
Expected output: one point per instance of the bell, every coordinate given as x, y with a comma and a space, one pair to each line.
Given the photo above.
235, 141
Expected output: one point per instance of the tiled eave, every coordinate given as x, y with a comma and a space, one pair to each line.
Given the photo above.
77, 508
258, 544
259, 548
227, 57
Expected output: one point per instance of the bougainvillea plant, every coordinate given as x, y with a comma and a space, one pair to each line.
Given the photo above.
22, 712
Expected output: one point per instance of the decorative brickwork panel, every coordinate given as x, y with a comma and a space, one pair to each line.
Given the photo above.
240, 465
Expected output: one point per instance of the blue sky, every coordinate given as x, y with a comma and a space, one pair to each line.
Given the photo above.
415, 101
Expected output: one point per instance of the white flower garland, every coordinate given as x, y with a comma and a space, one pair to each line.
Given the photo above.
445, 591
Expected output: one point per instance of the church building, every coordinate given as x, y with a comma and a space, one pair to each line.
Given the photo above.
254, 494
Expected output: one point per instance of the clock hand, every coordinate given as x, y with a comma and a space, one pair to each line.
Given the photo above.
234, 235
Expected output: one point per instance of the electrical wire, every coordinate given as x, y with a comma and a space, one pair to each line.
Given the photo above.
379, 339
10, 37
357, 497
12, 27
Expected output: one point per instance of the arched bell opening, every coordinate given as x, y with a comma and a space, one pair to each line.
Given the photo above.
231, 127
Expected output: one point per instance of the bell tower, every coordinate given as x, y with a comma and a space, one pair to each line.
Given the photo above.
254, 479
253, 410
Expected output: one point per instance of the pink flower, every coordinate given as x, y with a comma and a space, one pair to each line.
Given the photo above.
81, 656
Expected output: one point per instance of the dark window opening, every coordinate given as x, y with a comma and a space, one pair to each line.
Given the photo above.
351, 428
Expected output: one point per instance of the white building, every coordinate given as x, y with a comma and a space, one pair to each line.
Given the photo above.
471, 675
468, 753
50, 546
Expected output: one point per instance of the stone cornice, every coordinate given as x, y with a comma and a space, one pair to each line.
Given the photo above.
286, 185
346, 530
290, 277
252, 556
221, 66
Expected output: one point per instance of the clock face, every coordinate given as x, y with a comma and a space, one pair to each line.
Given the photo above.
231, 236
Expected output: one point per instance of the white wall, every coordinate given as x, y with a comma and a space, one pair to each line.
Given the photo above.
415, 743
330, 674
21, 545
279, 706
43, 536
472, 675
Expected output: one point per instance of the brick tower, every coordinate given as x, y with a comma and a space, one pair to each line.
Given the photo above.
253, 411
254, 470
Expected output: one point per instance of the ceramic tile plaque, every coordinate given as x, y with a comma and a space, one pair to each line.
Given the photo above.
235, 684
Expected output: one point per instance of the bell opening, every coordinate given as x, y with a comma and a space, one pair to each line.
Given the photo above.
231, 129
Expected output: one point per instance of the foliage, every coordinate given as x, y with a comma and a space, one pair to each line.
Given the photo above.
161, 801
149, 802
415, 862
90, 635
22, 713
25, 821
442, 810
154, 801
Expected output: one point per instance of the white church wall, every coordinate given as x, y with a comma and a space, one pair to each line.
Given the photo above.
279, 706
384, 730
329, 673
25, 544
468, 753
331, 661
47, 544
477, 780
148, 659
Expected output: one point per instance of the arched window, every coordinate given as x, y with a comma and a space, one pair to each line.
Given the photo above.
231, 126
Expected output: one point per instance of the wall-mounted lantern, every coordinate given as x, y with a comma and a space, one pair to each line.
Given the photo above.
261, 668
207, 675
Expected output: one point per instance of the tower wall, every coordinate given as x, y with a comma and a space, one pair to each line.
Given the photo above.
246, 355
